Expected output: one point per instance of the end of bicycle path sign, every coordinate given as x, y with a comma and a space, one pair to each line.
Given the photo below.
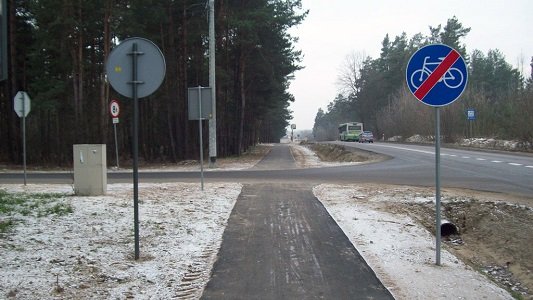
436, 75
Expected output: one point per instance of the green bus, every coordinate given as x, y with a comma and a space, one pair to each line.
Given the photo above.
350, 131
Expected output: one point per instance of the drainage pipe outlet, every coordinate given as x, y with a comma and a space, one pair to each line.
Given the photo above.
447, 228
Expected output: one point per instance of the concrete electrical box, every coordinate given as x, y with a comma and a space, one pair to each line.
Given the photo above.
90, 169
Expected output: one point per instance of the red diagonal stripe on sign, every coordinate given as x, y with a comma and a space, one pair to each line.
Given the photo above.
434, 77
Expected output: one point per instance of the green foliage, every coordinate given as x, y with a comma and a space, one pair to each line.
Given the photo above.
35, 204
29, 204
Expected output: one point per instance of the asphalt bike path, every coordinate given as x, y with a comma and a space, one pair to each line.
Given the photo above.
281, 243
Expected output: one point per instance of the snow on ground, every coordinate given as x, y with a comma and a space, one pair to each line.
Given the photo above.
400, 251
89, 253
307, 158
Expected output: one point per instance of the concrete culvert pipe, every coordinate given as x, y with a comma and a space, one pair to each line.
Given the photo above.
447, 228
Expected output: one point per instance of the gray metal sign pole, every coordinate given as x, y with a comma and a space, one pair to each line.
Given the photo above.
24, 134
116, 143
201, 137
437, 184
134, 82
123, 74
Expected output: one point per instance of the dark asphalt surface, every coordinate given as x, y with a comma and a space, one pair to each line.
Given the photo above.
281, 243
279, 158
409, 165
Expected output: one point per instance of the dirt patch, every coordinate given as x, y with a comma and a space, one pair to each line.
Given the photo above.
494, 235
339, 153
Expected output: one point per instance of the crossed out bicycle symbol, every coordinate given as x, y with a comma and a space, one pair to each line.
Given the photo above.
453, 78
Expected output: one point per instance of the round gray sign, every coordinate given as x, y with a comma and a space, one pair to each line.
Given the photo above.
150, 67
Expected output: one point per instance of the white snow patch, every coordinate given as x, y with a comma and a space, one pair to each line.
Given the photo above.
89, 252
307, 158
400, 251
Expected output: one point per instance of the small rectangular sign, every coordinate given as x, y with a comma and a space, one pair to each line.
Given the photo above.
194, 104
471, 114
115, 120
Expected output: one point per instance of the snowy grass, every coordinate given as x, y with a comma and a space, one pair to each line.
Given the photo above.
88, 253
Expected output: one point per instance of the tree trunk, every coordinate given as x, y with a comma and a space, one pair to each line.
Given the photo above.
12, 131
170, 86
104, 86
242, 93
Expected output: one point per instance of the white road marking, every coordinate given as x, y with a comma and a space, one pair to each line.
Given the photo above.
401, 148
452, 155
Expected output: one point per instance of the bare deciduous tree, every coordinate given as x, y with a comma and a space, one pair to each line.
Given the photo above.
349, 73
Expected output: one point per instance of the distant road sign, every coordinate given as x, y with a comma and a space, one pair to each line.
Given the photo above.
114, 108
22, 104
436, 75
194, 94
471, 114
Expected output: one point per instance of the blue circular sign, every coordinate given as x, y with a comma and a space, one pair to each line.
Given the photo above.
436, 75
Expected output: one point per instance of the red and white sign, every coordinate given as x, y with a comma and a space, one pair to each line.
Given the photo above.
114, 108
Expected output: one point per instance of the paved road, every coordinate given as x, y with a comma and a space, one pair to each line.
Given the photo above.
280, 243
410, 165
479, 170
277, 159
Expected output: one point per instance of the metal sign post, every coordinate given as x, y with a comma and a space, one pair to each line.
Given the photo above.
201, 137
471, 117
22, 106
122, 69
134, 82
24, 137
293, 126
114, 109
200, 108
116, 141
437, 185
437, 76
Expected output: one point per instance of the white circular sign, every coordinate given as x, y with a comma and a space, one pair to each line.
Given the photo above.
114, 108
22, 104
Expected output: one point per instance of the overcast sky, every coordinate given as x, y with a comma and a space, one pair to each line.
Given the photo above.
335, 28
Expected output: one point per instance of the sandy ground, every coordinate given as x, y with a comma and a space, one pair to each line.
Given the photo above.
88, 254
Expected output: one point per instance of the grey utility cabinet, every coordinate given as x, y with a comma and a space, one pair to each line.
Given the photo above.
90, 169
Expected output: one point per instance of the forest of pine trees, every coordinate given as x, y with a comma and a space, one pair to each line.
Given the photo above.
374, 91
58, 48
